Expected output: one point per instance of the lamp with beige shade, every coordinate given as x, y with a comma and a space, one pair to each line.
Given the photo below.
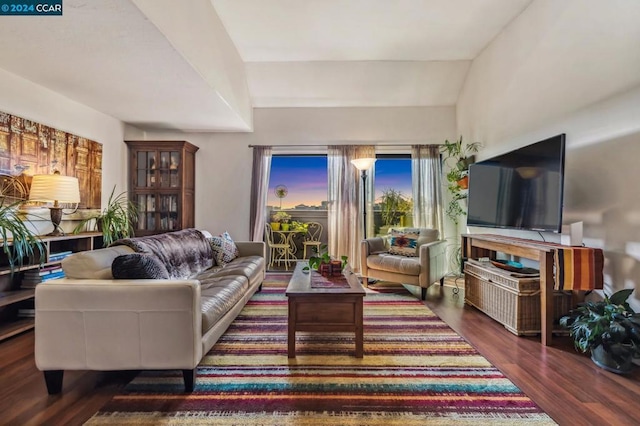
55, 188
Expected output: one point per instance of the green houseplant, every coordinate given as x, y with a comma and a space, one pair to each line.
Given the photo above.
25, 244
609, 329
280, 218
302, 227
458, 157
116, 219
394, 207
322, 257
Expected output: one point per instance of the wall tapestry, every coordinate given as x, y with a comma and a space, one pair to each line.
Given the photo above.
28, 148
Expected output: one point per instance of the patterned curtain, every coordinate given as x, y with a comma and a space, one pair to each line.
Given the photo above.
344, 196
259, 190
426, 182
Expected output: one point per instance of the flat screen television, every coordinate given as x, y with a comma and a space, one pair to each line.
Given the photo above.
521, 189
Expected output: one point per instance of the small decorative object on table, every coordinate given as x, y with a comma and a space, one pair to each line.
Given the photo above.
336, 268
324, 264
324, 269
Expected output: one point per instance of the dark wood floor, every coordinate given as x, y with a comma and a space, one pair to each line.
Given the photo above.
567, 385
564, 383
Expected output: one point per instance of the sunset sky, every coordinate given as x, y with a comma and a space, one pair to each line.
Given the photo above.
306, 179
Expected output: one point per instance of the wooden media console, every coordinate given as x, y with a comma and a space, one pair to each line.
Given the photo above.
486, 245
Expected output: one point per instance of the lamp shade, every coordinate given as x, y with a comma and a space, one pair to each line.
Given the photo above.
55, 187
363, 163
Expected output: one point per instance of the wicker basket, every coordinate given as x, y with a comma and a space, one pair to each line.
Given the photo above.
512, 301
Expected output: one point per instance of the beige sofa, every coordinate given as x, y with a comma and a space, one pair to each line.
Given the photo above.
426, 265
90, 321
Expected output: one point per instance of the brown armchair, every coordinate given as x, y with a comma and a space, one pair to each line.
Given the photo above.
421, 269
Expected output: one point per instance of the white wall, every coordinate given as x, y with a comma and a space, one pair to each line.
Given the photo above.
571, 67
224, 161
28, 100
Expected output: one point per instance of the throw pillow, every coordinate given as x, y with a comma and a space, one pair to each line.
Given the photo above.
138, 266
404, 243
224, 248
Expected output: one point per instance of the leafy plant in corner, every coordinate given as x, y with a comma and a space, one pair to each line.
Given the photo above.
609, 329
322, 256
458, 157
25, 244
116, 220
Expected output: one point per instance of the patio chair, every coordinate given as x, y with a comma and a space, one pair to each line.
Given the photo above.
280, 251
312, 238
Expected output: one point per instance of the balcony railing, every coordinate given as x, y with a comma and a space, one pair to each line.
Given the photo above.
320, 216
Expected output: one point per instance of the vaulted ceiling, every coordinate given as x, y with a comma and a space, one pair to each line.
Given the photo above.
202, 65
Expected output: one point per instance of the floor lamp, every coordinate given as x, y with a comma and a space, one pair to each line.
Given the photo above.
364, 164
56, 189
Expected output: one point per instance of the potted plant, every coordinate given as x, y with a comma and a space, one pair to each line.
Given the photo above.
115, 221
24, 243
302, 227
284, 224
279, 219
609, 329
458, 157
321, 261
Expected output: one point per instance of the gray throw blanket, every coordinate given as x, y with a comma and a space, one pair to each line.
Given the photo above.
184, 253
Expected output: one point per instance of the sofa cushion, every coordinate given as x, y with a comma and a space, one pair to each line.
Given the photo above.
247, 266
393, 263
218, 296
403, 243
224, 248
138, 266
93, 265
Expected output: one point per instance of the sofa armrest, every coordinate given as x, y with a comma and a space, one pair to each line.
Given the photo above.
118, 324
432, 262
251, 248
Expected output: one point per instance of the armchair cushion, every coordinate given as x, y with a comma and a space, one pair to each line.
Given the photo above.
393, 263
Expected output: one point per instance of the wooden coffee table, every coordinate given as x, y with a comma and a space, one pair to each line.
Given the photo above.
330, 309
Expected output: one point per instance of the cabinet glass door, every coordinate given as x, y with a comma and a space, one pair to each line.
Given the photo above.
169, 212
146, 169
169, 164
146, 212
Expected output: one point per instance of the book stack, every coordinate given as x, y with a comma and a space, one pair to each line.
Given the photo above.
36, 276
56, 257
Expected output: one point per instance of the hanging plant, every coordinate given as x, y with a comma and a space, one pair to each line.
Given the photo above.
458, 157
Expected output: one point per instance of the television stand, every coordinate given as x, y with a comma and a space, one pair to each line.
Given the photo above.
487, 245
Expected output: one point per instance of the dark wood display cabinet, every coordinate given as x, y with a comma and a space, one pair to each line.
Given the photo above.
162, 185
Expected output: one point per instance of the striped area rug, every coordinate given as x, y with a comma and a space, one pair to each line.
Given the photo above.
416, 371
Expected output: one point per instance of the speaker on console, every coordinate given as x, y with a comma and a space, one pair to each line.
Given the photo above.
572, 234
